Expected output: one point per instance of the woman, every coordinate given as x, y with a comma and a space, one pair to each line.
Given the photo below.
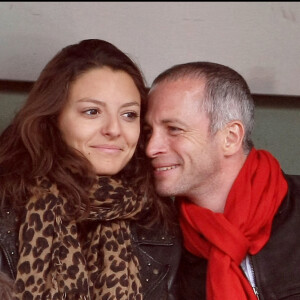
73, 156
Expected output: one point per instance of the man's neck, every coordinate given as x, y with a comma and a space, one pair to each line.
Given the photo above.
214, 196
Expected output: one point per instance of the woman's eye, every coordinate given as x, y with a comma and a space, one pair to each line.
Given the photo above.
130, 115
91, 112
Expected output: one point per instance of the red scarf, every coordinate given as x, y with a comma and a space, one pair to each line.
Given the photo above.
244, 227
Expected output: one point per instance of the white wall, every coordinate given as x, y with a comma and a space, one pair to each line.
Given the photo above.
261, 40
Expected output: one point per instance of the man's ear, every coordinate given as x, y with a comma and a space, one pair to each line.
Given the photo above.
233, 134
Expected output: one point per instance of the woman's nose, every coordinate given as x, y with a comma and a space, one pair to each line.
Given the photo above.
111, 127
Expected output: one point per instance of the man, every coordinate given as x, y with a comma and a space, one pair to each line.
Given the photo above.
240, 215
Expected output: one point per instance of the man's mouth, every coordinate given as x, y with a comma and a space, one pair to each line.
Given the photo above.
160, 169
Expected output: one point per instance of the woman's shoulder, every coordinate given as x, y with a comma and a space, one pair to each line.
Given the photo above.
8, 241
44, 195
43, 185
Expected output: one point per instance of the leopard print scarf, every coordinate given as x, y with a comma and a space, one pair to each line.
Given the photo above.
55, 265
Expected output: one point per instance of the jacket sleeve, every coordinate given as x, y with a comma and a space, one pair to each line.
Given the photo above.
159, 255
8, 242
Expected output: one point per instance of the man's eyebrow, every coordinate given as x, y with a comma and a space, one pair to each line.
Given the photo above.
167, 121
174, 120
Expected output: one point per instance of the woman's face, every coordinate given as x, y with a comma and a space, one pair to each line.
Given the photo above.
101, 118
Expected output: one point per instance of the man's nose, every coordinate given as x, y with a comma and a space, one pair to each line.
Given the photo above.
156, 145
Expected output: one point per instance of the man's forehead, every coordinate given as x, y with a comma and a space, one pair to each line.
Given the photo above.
179, 91
171, 107
183, 85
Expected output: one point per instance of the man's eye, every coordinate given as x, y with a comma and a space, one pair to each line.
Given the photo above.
147, 132
174, 130
130, 115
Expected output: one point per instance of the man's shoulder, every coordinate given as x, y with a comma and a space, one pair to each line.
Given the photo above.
289, 210
293, 187
293, 180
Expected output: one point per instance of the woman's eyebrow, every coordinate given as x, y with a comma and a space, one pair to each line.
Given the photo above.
133, 103
91, 100
103, 103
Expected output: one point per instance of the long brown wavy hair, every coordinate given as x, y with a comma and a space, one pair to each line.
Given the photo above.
6, 287
32, 145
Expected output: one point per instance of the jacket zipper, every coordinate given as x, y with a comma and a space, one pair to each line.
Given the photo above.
254, 287
9, 262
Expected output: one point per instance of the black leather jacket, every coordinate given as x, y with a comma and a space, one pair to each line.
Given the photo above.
276, 267
158, 254
8, 242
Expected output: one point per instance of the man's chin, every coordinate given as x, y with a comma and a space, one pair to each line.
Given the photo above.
163, 191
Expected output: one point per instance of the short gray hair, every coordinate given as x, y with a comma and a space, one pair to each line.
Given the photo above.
226, 98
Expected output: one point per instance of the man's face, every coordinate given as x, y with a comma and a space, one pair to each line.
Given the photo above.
186, 158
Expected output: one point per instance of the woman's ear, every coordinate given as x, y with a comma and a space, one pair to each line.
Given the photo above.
233, 137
